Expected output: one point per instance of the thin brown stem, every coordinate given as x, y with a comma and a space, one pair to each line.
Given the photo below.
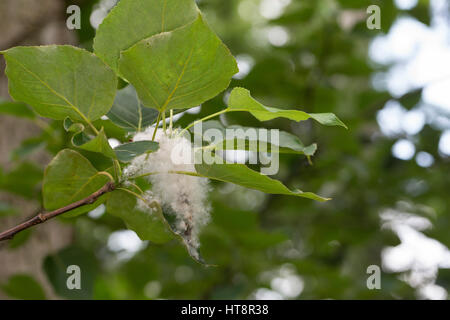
44, 216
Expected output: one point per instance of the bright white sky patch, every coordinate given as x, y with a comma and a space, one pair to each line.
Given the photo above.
289, 286
194, 110
406, 4
433, 292
285, 283
97, 212
234, 156
403, 149
100, 12
125, 243
417, 256
390, 118
273, 9
420, 55
113, 142
413, 122
267, 294
277, 36
402, 41
424, 159
438, 94
245, 65
444, 143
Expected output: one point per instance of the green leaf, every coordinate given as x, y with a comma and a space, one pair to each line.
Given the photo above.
25, 287
16, 109
241, 100
71, 126
128, 151
184, 238
242, 175
130, 21
71, 177
179, 69
111, 129
245, 140
55, 267
151, 226
147, 225
98, 144
61, 81
129, 113
81, 140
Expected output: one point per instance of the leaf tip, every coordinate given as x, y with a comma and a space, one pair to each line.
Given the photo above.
339, 122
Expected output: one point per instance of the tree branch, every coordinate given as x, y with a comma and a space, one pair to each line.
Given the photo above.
42, 217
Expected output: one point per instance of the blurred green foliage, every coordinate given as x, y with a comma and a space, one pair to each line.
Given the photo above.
323, 68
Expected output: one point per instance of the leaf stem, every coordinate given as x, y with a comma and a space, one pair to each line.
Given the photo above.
204, 119
137, 187
149, 204
107, 174
86, 120
133, 193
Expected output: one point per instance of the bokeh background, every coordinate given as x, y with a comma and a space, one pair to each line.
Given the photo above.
388, 174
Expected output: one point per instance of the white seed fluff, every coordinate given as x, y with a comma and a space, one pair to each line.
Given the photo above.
184, 195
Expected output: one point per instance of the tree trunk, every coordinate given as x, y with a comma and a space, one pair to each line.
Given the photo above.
28, 22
